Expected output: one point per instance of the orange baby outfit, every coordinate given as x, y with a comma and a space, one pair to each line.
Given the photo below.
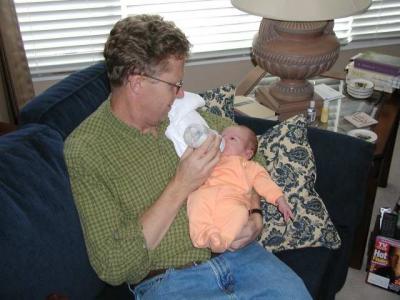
222, 203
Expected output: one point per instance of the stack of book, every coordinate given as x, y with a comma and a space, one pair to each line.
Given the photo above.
383, 70
285, 109
248, 106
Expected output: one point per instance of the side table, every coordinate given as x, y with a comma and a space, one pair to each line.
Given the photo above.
386, 129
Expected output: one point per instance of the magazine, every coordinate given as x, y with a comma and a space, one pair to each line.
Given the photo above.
384, 270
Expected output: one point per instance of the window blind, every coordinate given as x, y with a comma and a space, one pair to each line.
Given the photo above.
380, 21
61, 36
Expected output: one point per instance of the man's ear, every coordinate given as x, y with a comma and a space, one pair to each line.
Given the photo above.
135, 83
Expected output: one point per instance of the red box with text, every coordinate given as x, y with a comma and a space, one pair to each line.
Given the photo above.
384, 270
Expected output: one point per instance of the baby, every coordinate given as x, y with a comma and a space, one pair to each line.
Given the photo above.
219, 209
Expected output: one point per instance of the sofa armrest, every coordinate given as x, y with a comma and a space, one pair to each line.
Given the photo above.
343, 165
259, 126
41, 241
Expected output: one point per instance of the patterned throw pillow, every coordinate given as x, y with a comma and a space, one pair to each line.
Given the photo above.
291, 164
219, 101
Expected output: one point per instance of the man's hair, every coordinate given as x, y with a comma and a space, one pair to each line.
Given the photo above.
142, 44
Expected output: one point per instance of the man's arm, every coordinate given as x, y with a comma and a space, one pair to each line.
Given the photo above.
253, 227
118, 241
113, 236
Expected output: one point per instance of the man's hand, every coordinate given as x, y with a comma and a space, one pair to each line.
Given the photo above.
284, 208
249, 232
196, 165
252, 229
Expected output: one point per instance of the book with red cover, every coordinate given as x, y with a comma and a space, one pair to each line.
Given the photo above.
384, 269
378, 62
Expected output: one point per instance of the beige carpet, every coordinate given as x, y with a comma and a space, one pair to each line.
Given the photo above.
356, 288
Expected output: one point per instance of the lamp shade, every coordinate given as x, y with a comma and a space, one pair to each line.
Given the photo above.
302, 10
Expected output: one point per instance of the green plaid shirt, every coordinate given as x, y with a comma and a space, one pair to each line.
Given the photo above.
116, 173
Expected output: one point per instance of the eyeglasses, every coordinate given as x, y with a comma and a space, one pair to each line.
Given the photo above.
177, 85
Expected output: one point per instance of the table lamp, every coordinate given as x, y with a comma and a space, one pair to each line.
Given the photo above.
295, 41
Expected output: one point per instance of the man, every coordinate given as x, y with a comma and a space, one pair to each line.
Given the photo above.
130, 188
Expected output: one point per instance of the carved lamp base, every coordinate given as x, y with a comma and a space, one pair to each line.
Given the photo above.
286, 109
294, 51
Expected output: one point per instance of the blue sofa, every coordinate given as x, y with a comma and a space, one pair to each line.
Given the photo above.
41, 243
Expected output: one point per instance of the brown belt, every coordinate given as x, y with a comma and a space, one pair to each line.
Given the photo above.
156, 272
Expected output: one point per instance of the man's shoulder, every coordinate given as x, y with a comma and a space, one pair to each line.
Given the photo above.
86, 136
81, 148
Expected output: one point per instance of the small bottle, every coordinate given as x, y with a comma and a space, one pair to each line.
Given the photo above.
311, 113
324, 112
195, 135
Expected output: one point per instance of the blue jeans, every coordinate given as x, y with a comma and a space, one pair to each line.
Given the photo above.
249, 273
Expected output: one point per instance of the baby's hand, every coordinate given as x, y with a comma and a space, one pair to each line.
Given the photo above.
284, 208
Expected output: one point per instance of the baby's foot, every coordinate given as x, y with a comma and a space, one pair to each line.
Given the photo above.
217, 243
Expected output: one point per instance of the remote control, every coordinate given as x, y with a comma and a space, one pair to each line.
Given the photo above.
388, 227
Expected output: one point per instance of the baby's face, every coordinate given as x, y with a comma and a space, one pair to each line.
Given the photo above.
236, 141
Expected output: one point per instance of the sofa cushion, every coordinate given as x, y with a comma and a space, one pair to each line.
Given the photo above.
290, 162
42, 246
67, 103
311, 264
219, 101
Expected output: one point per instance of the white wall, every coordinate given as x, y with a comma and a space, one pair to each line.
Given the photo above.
202, 76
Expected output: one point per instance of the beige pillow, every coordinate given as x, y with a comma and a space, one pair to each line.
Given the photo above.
291, 164
219, 101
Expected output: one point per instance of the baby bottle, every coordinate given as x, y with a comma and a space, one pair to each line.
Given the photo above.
195, 135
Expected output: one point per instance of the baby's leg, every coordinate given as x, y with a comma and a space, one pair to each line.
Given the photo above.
200, 206
231, 216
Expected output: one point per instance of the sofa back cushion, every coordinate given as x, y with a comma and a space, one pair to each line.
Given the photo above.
67, 103
41, 243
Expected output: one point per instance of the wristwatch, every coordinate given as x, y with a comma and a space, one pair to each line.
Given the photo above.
255, 211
